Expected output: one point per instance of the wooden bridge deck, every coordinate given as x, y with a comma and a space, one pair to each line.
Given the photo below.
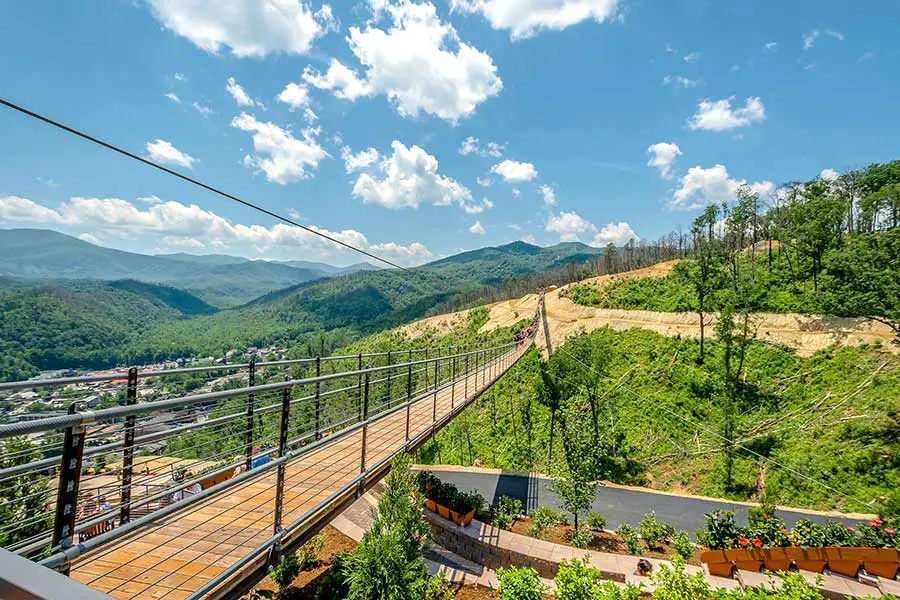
177, 555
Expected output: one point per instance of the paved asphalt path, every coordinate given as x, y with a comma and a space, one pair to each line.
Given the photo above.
617, 504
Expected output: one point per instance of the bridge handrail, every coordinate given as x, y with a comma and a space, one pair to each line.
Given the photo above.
89, 416
123, 374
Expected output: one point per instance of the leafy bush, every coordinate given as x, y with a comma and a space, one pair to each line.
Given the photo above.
788, 586
543, 517
652, 531
581, 537
286, 571
630, 537
438, 588
682, 544
721, 531
756, 514
534, 530
673, 583
505, 512
576, 580
807, 534
838, 535
447, 494
770, 531
520, 583
596, 521
334, 583
308, 553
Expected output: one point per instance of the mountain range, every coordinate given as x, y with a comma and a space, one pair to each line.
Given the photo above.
220, 280
65, 303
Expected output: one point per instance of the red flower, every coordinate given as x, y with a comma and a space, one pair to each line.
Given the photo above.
853, 529
889, 531
876, 522
757, 542
766, 517
743, 541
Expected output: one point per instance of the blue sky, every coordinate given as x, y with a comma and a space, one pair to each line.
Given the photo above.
595, 120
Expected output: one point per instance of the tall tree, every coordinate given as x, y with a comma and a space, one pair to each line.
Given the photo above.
816, 224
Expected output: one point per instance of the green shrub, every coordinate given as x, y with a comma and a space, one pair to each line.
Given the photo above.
755, 514
630, 537
596, 521
520, 584
534, 530
770, 531
790, 586
721, 531
673, 583
286, 571
334, 583
308, 553
682, 544
447, 494
546, 516
838, 535
438, 588
608, 590
576, 580
581, 537
807, 534
654, 532
505, 512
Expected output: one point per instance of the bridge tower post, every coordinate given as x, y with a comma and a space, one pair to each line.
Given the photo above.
250, 401
128, 449
69, 481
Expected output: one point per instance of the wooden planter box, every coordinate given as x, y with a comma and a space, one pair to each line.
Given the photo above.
450, 515
884, 562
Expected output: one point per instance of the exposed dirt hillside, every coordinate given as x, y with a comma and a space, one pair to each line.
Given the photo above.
805, 334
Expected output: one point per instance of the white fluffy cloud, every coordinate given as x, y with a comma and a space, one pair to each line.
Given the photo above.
524, 18
718, 115
250, 28
295, 95
829, 174
177, 225
413, 64
361, 160
163, 152
173, 97
548, 194
239, 94
278, 154
477, 228
472, 145
409, 178
514, 171
616, 233
474, 209
572, 227
483, 181
700, 187
809, 39
662, 155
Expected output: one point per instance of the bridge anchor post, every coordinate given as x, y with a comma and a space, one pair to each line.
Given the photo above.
128, 449
69, 481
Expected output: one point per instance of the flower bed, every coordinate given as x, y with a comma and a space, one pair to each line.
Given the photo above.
446, 500
767, 543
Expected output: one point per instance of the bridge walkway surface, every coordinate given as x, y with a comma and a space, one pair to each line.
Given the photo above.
208, 548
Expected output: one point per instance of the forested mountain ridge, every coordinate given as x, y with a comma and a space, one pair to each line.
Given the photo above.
220, 280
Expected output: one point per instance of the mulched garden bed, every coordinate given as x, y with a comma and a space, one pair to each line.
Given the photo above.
601, 541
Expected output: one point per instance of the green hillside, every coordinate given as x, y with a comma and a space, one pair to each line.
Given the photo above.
71, 324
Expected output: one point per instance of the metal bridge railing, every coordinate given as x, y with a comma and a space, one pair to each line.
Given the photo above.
112, 468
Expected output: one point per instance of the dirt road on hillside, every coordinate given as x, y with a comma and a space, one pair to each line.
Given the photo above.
805, 334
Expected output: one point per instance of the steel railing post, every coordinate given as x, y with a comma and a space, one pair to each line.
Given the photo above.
426, 369
466, 392
318, 397
250, 401
282, 450
365, 431
408, 393
69, 480
388, 382
128, 449
434, 411
453, 382
359, 386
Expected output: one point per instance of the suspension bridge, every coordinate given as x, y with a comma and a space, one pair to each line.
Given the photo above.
197, 494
